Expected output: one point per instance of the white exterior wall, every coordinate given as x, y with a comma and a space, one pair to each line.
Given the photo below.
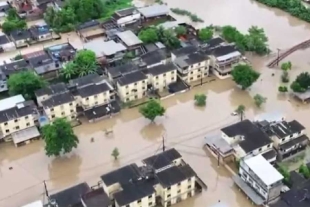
126, 94
161, 81
21, 123
67, 110
95, 100
195, 72
8, 46
128, 19
40, 99
144, 202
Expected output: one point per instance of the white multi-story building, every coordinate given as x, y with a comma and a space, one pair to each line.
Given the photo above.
161, 76
257, 172
247, 139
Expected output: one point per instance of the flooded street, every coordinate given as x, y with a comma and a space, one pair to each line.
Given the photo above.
183, 127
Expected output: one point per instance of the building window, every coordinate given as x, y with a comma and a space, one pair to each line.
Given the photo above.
165, 75
189, 187
126, 87
169, 188
143, 81
172, 78
127, 99
199, 64
95, 96
26, 117
136, 96
28, 124
199, 70
135, 84
156, 77
7, 130
143, 88
52, 109
150, 203
269, 145
70, 104
192, 72
150, 196
156, 83
179, 191
191, 78
127, 93
87, 99
283, 139
179, 184
139, 201
16, 120
189, 179
198, 76
260, 149
5, 123
168, 196
96, 102
71, 110
127, 205
53, 116
72, 117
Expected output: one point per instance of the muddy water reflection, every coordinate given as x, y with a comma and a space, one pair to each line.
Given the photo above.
183, 126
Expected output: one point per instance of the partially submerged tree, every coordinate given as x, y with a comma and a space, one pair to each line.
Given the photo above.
286, 66
244, 75
200, 99
25, 83
205, 34
13, 22
152, 109
259, 100
115, 153
301, 83
285, 77
59, 137
240, 111
282, 89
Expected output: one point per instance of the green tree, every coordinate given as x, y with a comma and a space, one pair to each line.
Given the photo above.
63, 20
69, 71
244, 75
304, 170
282, 89
59, 137
170, 40
301, 83
11, 25
85, 57
285, 77
205, 34
25, 83
286, 174
87, 69
152, 109
286, 66
115, 153
259, 100
200, 99
180, 30
148, 35
240, 111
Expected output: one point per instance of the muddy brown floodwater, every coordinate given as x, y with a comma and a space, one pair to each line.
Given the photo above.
22, 170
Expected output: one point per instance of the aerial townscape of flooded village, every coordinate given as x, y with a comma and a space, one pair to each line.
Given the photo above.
154, 103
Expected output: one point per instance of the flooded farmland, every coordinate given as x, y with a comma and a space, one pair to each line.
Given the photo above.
22, 170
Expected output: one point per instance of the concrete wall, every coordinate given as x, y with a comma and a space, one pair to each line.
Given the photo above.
15, 125
67, 110
95, 100
161, 81
126, 94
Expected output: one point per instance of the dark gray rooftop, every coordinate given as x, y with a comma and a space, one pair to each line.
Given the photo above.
131, 78
93, 89
117, 71
20, 34
103, 110
96, 198
15, 66
125, 12
4, 39
193, 58
57, 100
224, 50
15, 112
184, 51
122, 175
85, 80
70, 196
38, 59
154, 57
174, 175
89, 24
284, 129
162, 159
37, 31
160, 69
52, 89
254, 137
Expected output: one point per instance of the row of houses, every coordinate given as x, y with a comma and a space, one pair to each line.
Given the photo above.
257, 146
25, 37
162, 180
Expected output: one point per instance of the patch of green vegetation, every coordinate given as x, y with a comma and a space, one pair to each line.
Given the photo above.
183, 12
112, 6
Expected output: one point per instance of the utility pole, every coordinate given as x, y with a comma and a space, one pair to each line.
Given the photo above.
46, 191
163, 138
201, 78
241, 116
278, 56
218, 157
